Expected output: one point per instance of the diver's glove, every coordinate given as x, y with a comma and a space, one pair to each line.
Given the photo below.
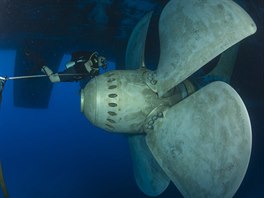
3, 79
53, 77
46, 70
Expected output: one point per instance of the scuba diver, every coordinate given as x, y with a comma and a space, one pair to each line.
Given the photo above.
82, 65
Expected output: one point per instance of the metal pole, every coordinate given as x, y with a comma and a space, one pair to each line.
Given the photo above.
25, 77
34, 76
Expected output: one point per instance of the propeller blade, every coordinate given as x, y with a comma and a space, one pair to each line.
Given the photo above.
150, 178
203, 143
192, 32
136, 44
225, 65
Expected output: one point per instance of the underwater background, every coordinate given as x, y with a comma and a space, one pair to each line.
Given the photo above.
57, 153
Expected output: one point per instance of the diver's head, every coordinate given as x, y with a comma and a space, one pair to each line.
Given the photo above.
102, 62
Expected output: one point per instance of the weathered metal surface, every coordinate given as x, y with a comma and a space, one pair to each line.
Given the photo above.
193, 32
119, 101
203, 143
136, 44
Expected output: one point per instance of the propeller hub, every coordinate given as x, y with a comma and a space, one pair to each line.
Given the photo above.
118, 101
124, 101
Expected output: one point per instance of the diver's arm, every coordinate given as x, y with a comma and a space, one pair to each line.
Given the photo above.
70, 75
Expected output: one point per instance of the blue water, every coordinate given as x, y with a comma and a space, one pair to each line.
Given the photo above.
57, 153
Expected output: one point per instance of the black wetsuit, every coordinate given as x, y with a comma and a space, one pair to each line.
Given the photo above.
79, 59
